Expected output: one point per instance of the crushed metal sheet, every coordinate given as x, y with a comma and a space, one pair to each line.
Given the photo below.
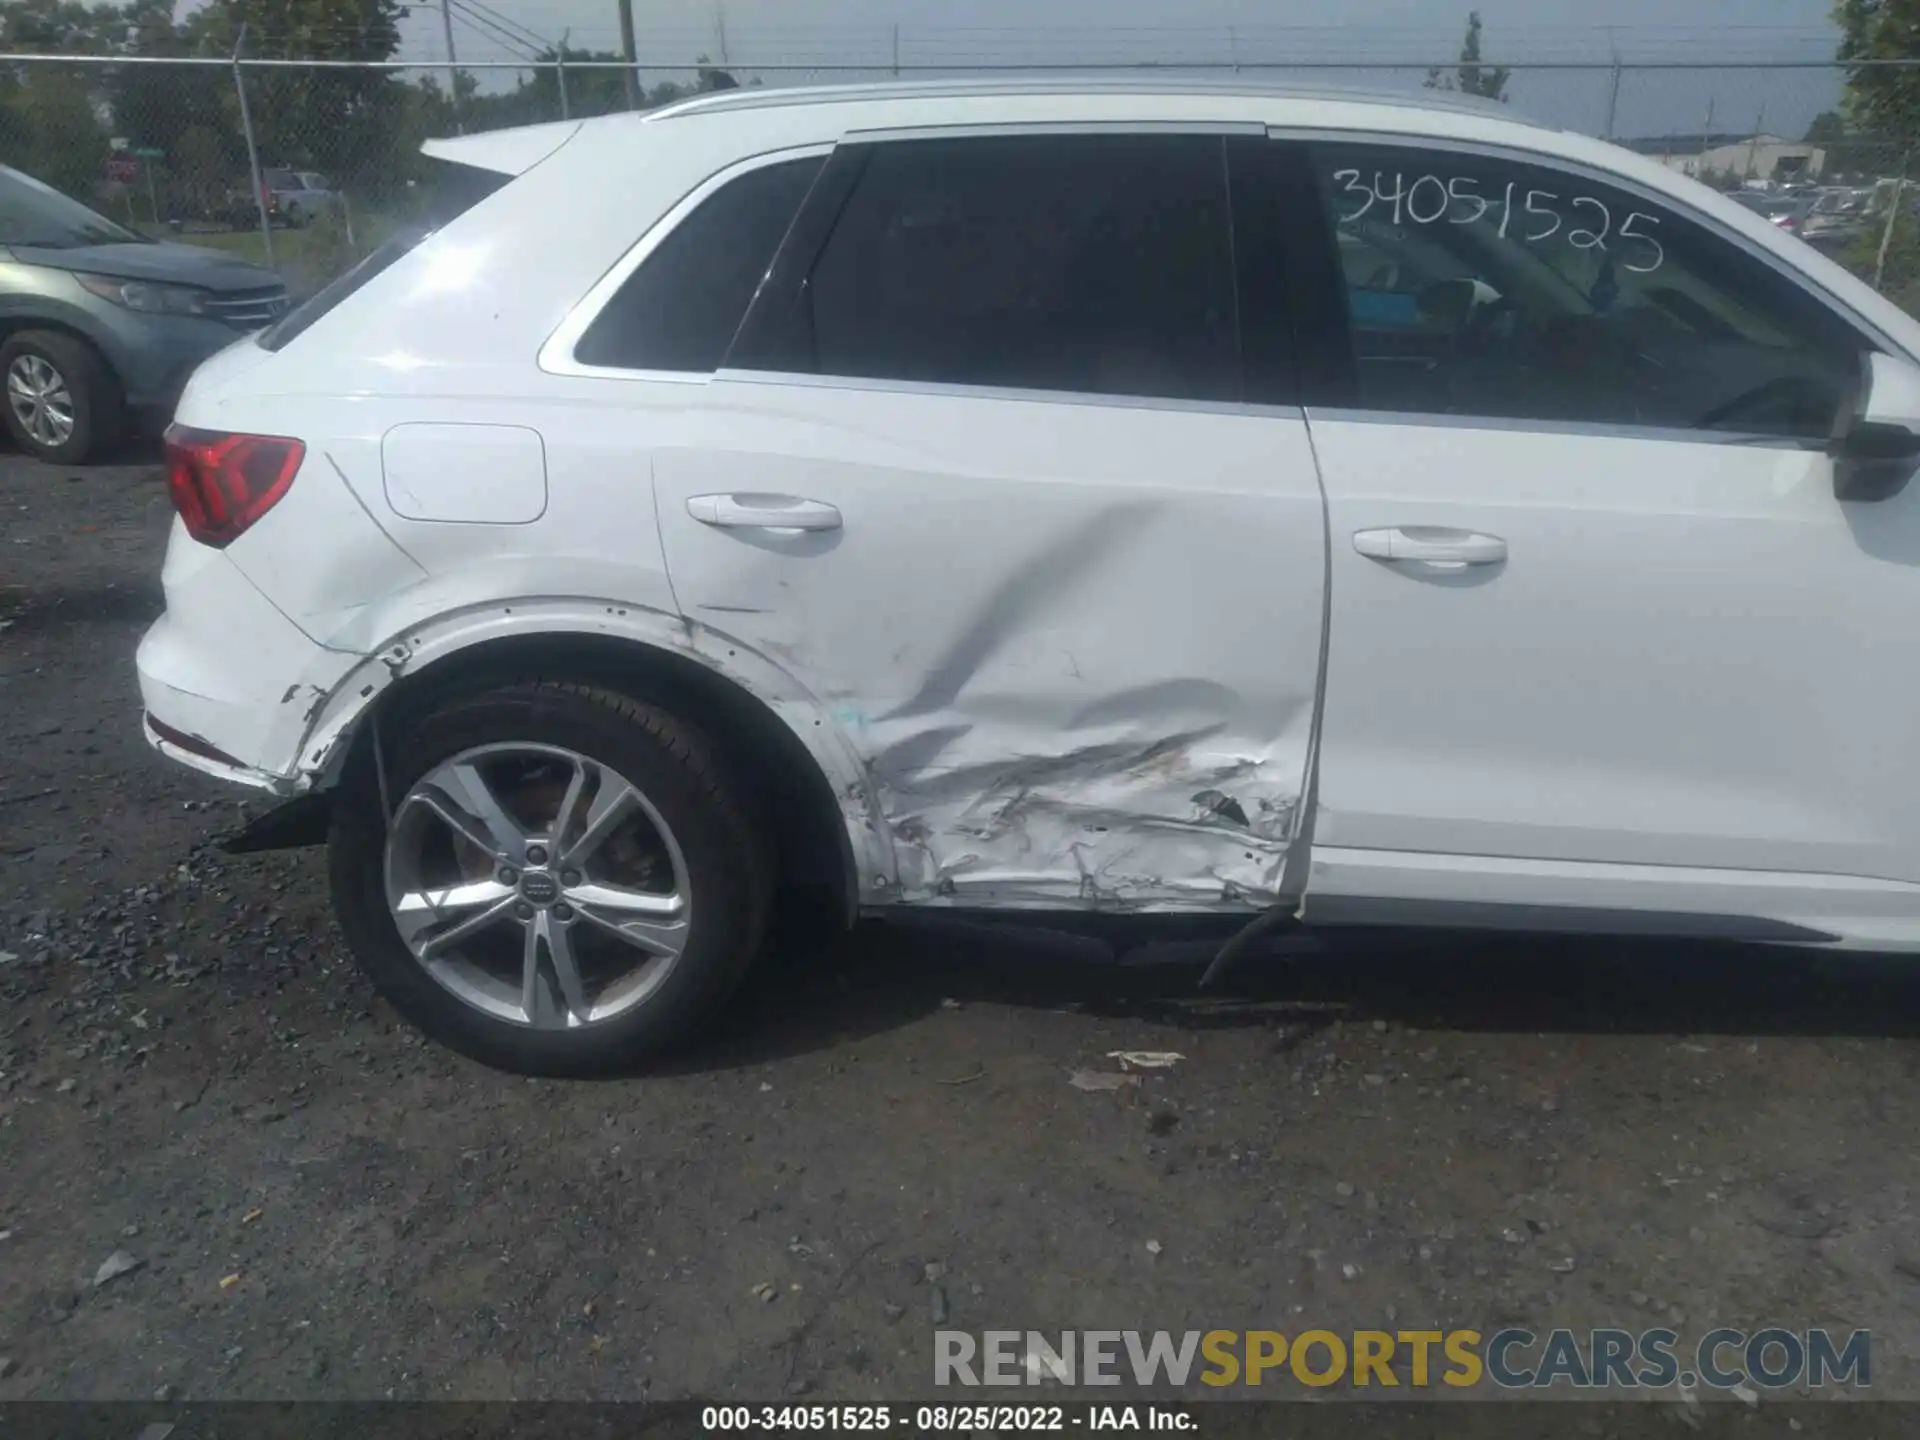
1045, 730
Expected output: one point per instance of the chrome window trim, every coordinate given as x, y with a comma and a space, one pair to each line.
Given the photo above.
1590, 429
556, 354
1494, 150
1021, 395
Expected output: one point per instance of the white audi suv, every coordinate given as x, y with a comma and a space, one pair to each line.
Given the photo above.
1127, 497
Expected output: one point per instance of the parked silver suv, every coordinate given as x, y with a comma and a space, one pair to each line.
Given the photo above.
100, 326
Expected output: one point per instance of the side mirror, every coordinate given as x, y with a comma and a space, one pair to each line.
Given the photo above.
1877, 448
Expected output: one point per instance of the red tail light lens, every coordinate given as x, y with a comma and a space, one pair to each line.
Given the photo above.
222, 483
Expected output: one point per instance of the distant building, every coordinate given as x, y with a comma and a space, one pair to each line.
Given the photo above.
1743, 157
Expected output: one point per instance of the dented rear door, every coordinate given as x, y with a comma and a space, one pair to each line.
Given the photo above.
982, 474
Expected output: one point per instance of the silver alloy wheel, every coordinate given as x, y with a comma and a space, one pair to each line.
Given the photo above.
537, 885
40, 399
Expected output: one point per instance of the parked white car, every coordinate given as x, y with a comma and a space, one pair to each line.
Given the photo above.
1139, 497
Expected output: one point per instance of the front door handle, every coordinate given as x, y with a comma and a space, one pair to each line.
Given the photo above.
1431, 544
763, 512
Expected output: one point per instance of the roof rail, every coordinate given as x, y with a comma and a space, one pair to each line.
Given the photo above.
1144, 81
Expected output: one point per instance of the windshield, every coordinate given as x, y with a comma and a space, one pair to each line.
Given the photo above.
34, 214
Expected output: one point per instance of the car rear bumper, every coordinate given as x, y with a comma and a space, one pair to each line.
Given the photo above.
207, 761
229, 685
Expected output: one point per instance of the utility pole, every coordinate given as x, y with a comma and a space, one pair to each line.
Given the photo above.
253, 150
1759, 128
1893, 218
453, 75
1613, 97
720, 27
627, 52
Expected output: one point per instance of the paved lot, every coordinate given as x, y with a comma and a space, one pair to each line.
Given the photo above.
321, 1206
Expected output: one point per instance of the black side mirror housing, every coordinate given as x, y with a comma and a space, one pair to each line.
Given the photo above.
1876, 444
1874, 461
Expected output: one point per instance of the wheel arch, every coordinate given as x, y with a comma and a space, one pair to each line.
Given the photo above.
816, 806
17, 324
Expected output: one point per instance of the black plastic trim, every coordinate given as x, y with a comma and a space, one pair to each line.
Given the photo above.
299, 823
1555, 920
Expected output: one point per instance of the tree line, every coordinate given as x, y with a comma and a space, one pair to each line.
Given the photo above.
362, 128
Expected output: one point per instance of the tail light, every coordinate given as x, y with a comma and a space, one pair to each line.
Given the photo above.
222, 483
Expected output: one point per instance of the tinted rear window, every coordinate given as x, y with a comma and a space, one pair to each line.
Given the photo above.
679, 310
1100, 264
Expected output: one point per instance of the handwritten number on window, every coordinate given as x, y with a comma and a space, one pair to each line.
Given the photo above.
1627, 232
1398, 196
1549, 212
1590, 239
1460, 195
1432, 200
1438, 200
1350, 183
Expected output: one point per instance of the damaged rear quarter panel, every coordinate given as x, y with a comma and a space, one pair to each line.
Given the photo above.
432, 625
1075, 645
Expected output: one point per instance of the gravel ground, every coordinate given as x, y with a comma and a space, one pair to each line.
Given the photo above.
1439, 1132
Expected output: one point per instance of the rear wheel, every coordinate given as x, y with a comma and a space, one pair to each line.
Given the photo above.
568, 883
62, 403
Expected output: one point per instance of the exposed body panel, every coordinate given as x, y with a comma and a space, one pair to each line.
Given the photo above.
1076, 645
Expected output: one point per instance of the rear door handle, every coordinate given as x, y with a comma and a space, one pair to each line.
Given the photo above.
1432, 544
763, 512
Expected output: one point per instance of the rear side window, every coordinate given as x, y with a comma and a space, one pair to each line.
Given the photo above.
1100, 264
679, 310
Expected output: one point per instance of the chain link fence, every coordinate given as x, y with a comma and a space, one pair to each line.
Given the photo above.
308, 165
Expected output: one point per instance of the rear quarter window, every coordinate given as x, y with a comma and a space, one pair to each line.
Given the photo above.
679, 310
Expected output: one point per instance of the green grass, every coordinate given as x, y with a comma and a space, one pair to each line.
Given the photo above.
306, 258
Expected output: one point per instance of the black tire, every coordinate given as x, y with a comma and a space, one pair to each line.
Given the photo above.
99, 409
729, 863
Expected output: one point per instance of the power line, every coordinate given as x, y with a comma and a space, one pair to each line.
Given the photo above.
532, 37
513, 45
